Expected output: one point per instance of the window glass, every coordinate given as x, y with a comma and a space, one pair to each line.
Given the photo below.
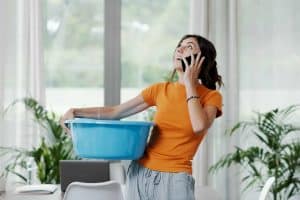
269, 59
150, 33
73, 53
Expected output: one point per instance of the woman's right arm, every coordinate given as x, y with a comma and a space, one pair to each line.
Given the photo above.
126, 109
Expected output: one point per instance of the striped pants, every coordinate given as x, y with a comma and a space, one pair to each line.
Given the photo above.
146, 184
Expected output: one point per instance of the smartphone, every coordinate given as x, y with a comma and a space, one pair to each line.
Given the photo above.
189, 60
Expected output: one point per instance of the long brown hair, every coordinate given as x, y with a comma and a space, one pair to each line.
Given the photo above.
209, 74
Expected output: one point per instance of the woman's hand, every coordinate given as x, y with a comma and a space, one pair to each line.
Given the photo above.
192, 71
67, 116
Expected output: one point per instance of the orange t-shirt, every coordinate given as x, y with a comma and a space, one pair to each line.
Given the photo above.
173, 143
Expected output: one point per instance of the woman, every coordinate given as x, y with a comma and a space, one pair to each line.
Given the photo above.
185, 111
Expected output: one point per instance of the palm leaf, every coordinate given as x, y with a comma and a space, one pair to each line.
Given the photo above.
275, 157
48, 154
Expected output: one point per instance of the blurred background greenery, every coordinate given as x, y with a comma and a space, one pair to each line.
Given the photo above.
74, 41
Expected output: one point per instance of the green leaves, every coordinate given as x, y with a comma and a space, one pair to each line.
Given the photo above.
275, 156
48, 154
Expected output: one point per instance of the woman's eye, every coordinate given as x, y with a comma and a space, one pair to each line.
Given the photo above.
190, 47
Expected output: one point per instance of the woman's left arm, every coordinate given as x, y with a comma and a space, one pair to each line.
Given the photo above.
201, 117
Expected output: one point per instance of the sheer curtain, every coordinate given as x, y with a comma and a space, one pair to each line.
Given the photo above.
269, 59
21, 64
257, 44
217, 21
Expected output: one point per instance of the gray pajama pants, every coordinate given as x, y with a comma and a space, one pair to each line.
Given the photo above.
146, 184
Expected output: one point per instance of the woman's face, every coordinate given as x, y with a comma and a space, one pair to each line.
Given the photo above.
187, 47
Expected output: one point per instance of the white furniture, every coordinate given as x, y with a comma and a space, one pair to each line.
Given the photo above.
94, 191
12, 195
266, 188
208, 193
117, 172
37, 189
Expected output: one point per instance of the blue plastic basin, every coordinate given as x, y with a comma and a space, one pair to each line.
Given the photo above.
109, 139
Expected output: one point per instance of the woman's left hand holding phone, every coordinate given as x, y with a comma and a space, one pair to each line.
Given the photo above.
192, 71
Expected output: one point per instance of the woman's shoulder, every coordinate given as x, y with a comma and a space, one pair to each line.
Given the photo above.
213, 97
206, 92
159, 84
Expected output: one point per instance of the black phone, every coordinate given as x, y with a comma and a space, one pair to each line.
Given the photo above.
189, 60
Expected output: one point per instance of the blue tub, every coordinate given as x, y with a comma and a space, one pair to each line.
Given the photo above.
109, 139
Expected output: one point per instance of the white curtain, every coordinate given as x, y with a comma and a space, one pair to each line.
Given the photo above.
257, 44
21, 66
269, 60
217, 21
20, 69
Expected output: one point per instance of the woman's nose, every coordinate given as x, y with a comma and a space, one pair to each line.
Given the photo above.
180, 49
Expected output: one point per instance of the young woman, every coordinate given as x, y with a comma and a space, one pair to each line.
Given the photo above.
185, 110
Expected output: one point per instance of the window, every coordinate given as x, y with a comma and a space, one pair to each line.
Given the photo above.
149, 35
73, 44
73, 53
269, 58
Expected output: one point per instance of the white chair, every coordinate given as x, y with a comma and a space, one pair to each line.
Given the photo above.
266, 188
208, 193
94, 191
117, 172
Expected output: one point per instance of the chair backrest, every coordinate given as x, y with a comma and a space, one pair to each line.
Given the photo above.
206, 192
90, 171
117, 172
266, 188
94, 191
87, 171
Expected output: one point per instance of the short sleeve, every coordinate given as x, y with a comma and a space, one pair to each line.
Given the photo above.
214, 98
150, 94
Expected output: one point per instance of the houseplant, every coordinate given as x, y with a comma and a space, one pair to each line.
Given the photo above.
276, 154
49, 152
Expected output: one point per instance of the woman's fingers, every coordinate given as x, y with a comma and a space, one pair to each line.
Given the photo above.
63, 125
186, 64
192, 60
195, 62
201, 62
198, 57
67, 116
195, 65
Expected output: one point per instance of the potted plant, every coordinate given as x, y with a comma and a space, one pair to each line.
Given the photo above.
276, 154
49, 152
